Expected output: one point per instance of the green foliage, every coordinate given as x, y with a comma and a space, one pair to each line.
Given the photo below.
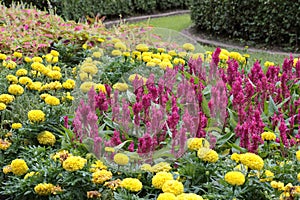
267, 22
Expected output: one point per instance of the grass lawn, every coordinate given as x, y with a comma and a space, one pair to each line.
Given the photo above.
175, 22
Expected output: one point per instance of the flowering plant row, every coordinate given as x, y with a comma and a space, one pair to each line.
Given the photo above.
140, 121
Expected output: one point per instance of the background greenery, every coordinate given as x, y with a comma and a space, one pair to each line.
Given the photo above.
270, 22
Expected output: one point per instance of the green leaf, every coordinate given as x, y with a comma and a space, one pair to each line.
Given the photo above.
272, 107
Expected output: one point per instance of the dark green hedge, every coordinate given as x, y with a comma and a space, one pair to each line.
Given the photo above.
272, 22
78, 9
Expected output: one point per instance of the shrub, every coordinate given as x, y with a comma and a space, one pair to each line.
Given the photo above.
269, 22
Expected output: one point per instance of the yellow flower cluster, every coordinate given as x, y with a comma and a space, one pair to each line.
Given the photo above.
2, 56
122, 87
100, 176
269, 64
189, 196
208, 155
21, 72
235, 157
74, 163
142, 47
161, 167
69, 84
277, 185
252, 161
62, 155
46, 138
15, 89
19, 167
121, 159
7, 169
268, 176
197, 143
4, 144
235, 178
52, 100
17, 54
2, 106
6, 98
25, 80
166, 196
12, 79
188, 47
86, 86
173, 186
16, 126
160, 178
113, 185
44, 189
298, 155
132, 184
269, 136
36, 116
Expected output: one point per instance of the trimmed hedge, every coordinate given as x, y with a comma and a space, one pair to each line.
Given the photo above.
272, 22
78, 9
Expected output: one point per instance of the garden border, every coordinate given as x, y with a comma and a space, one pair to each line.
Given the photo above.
189, 33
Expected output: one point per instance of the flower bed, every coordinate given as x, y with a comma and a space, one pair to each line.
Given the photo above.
146, 119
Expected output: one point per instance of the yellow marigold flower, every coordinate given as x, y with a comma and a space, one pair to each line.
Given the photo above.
173, 186
100, 176
6, 98
188, 47
151, 64
62, 155
236, 56
4, 144
93, 194
122, 87
19, 167
161, 50
160, 178
34, 85
178, 61
7, 169
298, 155
74, 163
51, 100
56, 75
113, 185
156, 56
15, 89
30, 174
48, 57
223, 57
89, 68
17, 54
69, 97
11, 78
269, 176
295, 61
166, 56
197, 143
208, 155
54, 53
142, 47
86, 86
116, 53
252, 161
56, 68
269, 64
146, 167
189, 196
44, 95
235, 178
2, 56
109, 149
134, 76
37, 66
69, 84
235, 157
146, 58
11, 65
172, 53
121, 159
2, 106
161, 167
156, 61
166, 196
55, 59
25, 80
55, 85
97, 54
182, 54
46, 138
277, 185
43, 189
120, 45
21, 72
268, 136
98, 165
164, 65
132, 184
16, 126
27, 59
36, 116
37, 59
